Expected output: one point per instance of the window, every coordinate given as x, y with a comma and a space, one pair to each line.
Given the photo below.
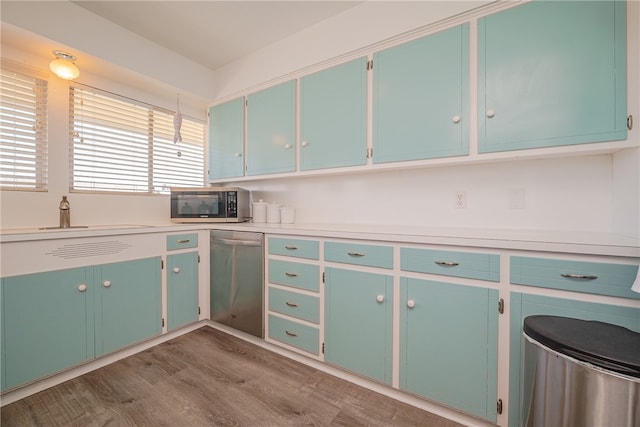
23, 131
121, 145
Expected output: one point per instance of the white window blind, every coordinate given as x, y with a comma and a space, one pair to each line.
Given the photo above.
121, 145
23, 131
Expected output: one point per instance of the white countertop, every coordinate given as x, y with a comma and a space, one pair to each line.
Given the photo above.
593, 243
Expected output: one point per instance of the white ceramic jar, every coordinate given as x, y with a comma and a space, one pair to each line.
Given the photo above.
259, 211
287, 215
273, 213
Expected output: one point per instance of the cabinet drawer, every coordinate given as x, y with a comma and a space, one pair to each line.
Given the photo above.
449, 263
580, 276
182, 241
294, 247
301, 336
353, 253
294, 304
296, 274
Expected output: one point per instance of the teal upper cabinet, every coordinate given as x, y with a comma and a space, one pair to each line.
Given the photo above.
421, 98
226, 140
271, 139
552, 73
333, 114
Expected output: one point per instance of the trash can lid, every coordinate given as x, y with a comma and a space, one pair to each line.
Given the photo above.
602, 344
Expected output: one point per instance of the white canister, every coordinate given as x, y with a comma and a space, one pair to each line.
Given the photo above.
273, 213
287, 215
260, 211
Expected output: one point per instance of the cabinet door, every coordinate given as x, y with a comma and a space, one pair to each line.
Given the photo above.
523, 305
421, 98
552, 73
333, 116
127, 303
182, 289
271, 139
358, 310
226, 140
47, 324
449, 344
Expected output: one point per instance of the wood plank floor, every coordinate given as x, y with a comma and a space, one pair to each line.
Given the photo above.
210, 378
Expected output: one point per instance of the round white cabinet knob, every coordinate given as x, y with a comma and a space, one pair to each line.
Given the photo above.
287, 146
82, 288
491, 113
106, 283
456, 119
304, 143
411, 303
380, 298
238, 154
176, 269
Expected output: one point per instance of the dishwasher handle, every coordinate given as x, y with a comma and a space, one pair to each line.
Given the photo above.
234, 242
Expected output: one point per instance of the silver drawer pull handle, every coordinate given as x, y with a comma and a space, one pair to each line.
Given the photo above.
286, 273
291, 248
184, 241
291, 334
578, 276
447, 263
291, 304
355, 254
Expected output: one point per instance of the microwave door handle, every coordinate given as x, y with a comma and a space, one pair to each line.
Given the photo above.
237, 242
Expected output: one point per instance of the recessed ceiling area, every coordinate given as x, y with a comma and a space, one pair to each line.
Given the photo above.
215, 33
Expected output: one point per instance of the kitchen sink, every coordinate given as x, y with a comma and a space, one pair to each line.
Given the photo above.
63, 228
58, 229
97, 227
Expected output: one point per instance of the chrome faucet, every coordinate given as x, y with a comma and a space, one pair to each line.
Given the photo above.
65, 213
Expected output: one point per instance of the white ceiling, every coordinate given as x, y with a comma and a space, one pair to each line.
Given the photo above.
214, 33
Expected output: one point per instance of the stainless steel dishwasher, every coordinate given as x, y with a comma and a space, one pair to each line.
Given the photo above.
237, 288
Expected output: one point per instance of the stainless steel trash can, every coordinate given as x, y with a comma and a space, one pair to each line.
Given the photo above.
580, 373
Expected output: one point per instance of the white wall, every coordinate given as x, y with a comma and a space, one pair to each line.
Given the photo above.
559, 194
352, 30
98, 42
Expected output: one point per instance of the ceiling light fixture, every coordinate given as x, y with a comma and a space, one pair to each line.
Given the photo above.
63, 65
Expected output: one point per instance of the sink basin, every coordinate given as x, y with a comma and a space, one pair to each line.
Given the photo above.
63, 228
72, 228
95, 227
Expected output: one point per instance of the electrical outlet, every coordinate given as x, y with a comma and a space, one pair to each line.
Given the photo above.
460, 201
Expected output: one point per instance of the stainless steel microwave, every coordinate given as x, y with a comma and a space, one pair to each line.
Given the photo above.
210, 204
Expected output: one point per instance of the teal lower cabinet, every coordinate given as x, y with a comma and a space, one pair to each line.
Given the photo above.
54, 320
182, 289
295, 334
449, 344
523, 305
358, 322
47, 324
128, 303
